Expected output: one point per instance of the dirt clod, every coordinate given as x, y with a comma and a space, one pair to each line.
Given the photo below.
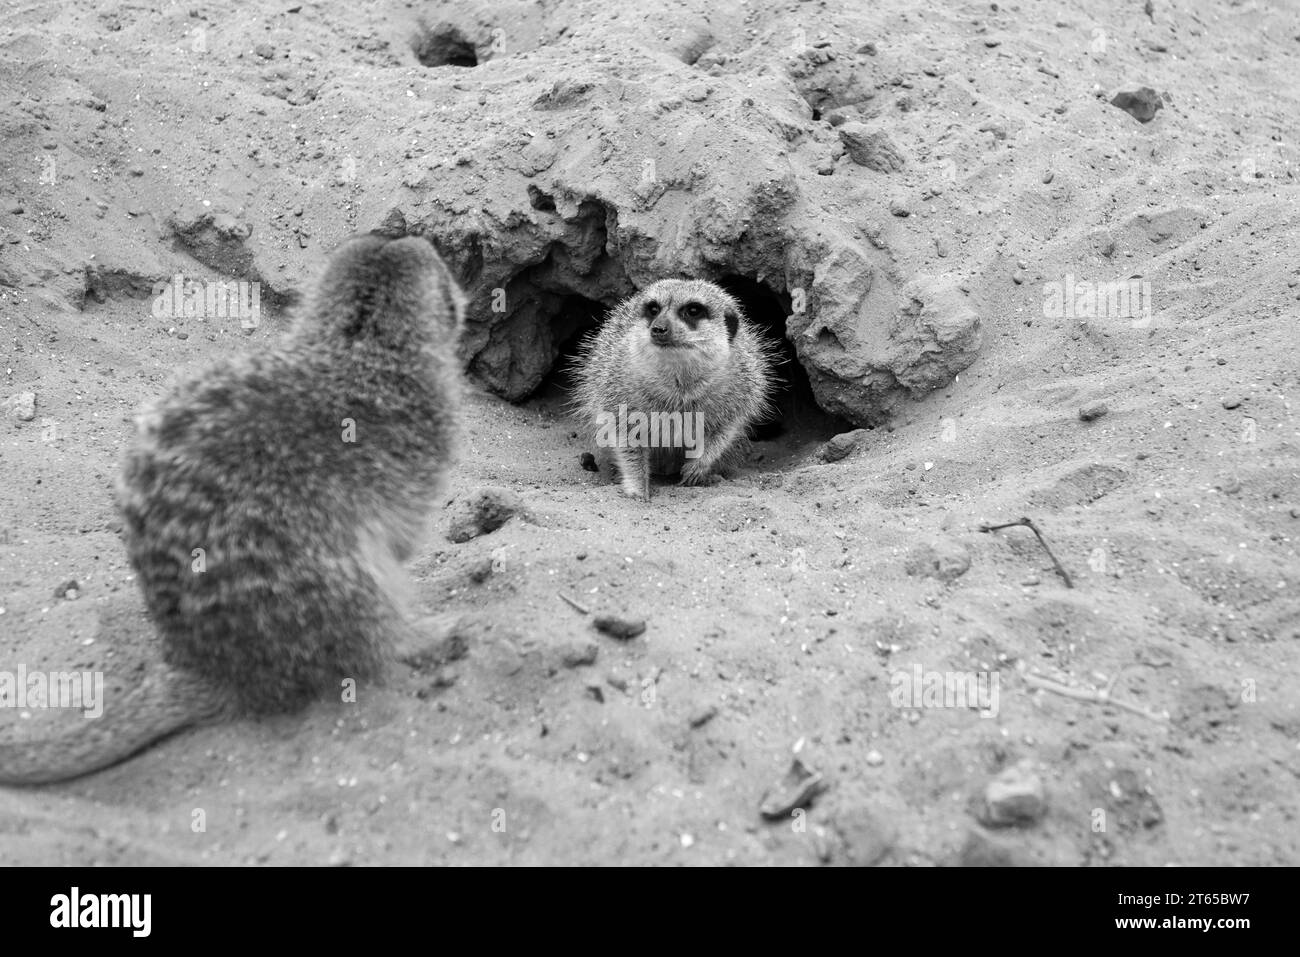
620, 628
1014, 797
482, 512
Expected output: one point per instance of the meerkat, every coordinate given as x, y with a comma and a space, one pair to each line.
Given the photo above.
269, 502
671, 382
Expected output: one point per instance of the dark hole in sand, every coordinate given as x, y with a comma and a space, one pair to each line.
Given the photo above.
797, 418
443, 45
575, 318
796, 423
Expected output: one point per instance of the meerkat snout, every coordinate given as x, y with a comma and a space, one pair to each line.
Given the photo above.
680, 358
678, 319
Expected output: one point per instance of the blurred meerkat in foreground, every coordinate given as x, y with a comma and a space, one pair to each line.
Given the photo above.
671, 382
270, 500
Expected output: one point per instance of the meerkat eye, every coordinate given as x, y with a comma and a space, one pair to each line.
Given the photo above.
693, 310
651, 309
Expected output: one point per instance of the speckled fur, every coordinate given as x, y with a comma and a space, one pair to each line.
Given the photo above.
723, 377
303, 534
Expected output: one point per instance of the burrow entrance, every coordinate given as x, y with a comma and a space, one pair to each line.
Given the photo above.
797, 420
443, 45
797, 417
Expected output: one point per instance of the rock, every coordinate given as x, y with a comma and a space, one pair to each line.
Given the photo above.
797, 789
1141, 104
874, 758
1093, 410
620, 628
481, 512
842, 445
580, 652
865, 840
264, 50
871, 148
943, 558
899, 208
1232, 402
934, 335
21, 406
1014, 797
69, 590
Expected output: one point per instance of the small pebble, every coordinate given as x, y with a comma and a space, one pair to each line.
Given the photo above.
579, 653
621, 628
21, 406
702, 716
1015, 797
1093, 410
1231, 402
798, 788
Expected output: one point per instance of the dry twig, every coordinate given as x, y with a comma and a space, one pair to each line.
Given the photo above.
1029, 524
1102, 696
572, 603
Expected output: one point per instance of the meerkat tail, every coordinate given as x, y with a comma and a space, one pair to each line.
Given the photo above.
164, 704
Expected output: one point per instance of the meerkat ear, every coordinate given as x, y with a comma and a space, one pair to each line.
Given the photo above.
453, 300
731, 316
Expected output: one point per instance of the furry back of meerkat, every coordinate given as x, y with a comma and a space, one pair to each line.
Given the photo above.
270, 500
679, 355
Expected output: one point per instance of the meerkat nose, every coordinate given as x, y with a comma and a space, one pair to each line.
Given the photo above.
659, 330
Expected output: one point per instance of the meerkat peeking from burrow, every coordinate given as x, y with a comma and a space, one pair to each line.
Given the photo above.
270, 500
670, 384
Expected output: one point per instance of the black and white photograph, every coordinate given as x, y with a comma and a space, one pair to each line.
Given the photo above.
681, 433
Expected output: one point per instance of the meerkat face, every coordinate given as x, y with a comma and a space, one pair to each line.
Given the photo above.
686, 319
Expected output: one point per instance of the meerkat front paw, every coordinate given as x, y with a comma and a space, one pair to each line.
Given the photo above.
639, 490
699, 477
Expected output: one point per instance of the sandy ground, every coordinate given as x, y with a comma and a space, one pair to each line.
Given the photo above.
783, 604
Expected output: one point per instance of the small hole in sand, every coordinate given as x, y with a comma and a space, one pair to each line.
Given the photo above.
443, 45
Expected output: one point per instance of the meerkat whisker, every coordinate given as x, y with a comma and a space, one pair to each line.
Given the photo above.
671, 383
